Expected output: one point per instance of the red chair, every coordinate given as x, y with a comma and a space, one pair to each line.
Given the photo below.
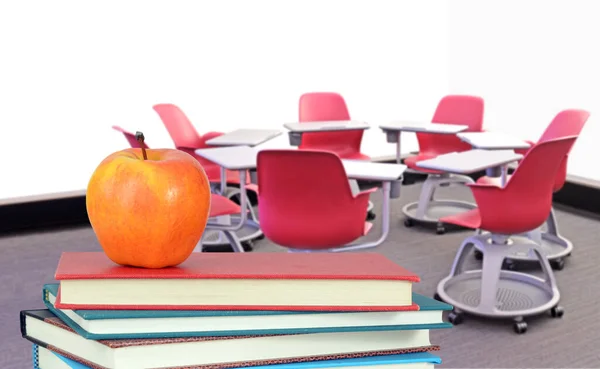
330, 106
566, 123
219, 205
295, 182
452, 109
186, 138
523, 204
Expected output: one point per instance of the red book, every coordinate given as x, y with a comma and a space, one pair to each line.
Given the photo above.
238, 281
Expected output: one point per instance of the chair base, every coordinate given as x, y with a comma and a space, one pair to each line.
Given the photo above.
437, 209
229, 239
555, 248
249, 233
246, 235
428, 209
495, 293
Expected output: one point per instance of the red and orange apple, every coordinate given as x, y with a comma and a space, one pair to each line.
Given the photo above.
148, 207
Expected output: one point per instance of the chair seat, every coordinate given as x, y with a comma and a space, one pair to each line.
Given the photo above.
467, 219
354, 156
220, 205
496, 181
412, 161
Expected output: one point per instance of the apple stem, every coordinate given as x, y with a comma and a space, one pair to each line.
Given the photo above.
139, 136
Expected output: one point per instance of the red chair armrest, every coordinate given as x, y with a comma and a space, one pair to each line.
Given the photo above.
366, 192
525, 151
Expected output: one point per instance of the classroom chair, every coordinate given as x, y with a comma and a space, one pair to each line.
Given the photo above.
452, 109
331, 106
295, 182
521, 205
219, 205
556, 247
186, 138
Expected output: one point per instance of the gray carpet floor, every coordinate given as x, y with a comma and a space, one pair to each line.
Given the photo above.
29, 261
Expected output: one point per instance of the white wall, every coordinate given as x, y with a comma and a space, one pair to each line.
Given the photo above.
69, 70
530, 59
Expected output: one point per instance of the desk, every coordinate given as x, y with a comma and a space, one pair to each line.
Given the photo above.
297, 129
244, 158
394, 129
241, 137
492, 141
370, 171
244, 137
231, 157
472, 161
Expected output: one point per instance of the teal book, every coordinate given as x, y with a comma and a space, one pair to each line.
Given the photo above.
135, 324
46, 359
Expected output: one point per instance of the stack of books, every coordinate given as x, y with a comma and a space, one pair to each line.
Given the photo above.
235, 310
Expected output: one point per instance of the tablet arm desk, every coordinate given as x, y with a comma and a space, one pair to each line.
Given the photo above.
244, 158
297, 129
394, 130
473, 161
492, 291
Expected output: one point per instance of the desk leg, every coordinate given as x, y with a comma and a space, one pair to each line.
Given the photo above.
223, 181
503, 175
498, 172
494, 172
398, 148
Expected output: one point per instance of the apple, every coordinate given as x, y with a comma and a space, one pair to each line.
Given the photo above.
148, 207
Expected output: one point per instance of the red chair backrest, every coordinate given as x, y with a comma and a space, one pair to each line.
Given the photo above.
303, 199
182, 131
130, 137
527, 197
453, 109
566, 123
326, 106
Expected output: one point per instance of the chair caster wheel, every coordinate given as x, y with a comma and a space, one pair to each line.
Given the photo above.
557, 312
437, 297
557, 264
261, 237
478, 255
455, 318
440, 229
408, 222
371, 215
248, 246
509, 265
520, 327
